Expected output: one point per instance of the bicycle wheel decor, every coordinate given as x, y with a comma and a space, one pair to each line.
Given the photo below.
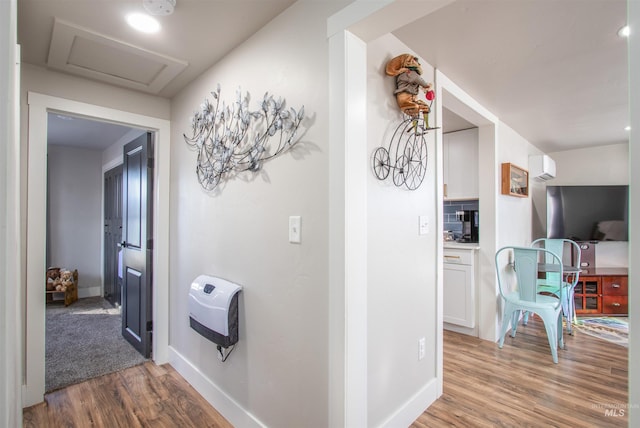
405, 159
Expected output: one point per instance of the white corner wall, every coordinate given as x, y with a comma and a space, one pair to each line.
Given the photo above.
634, 213
515, 215
10, 244
75, 214
402, 265
278, 373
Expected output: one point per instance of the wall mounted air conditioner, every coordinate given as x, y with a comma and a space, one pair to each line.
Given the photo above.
542, 167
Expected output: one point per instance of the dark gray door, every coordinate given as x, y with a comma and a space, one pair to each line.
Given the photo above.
137, 243
112, 233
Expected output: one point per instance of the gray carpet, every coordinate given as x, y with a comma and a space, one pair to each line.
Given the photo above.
83, 341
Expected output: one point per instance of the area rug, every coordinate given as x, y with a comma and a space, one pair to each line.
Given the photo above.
83, 341
611, 329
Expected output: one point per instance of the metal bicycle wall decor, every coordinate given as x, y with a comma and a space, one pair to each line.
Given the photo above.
405, 159
231, 138
406, 156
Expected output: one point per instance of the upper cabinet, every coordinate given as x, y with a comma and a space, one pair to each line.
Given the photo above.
460, 151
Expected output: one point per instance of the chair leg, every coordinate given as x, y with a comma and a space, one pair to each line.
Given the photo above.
560, 332
525, 318
571, 310
550, 320
506, 320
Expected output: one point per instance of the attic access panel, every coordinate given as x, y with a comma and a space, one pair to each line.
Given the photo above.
85, 53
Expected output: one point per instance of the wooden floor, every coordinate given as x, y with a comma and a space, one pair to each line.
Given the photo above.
483, 387
519, 385
142, 396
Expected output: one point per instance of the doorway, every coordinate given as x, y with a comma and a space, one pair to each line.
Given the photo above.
39, 107
462, 105
85, 338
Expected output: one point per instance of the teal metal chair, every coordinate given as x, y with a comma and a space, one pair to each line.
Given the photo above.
569, 280
518, 285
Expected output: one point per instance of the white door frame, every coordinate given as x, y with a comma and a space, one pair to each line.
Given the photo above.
34, 347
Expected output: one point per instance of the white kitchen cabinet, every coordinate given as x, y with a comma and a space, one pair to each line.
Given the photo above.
460, 155
459, 288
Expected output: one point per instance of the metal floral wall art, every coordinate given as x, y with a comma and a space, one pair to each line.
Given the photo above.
231, 138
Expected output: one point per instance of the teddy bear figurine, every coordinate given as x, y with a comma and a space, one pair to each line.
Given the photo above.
407, 70
52, 275
66, 280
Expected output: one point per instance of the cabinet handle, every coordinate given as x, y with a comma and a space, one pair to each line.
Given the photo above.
615, 304
615, 285
452, 257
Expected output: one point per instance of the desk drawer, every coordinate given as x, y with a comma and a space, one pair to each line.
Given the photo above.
615, 286
614, 305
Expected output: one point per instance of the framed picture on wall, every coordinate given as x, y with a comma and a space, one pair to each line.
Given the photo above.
515, 181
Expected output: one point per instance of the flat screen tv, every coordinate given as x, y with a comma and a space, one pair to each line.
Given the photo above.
588, 213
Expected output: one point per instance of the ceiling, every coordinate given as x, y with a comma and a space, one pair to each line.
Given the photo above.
554, 71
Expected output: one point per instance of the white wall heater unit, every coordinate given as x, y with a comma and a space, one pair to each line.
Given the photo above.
213, 309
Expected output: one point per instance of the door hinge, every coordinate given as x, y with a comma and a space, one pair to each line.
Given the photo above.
149, 325
150, 163
150, 244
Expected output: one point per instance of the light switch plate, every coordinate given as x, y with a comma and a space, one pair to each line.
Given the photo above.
294, 229
423, 224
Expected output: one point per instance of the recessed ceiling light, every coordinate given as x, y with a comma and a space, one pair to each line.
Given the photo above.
627, 128
624, 31
143, 23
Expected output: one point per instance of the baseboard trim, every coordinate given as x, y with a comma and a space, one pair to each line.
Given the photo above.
84, 292
414, 407
223, 403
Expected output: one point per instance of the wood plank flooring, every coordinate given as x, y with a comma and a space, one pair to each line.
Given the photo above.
483, 387
519, 385
142, 396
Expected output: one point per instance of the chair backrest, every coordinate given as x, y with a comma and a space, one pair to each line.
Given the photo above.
557, 246
526, 266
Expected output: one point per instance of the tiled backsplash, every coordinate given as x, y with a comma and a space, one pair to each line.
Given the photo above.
449, 210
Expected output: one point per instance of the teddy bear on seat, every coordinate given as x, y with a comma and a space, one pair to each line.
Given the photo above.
407, 70
66, 280
53, 278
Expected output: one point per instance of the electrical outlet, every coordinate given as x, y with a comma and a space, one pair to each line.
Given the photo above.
421, 348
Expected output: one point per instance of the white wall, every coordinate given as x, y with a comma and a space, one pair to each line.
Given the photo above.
515, 214
634, 212
402, 265
594, 165
278, 373
75, 215
10, 244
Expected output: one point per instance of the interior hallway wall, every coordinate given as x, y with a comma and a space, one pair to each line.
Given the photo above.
10, 244
402, 264
278, 373
75, 214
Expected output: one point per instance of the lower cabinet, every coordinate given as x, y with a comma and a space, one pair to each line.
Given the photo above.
459, 290
602, 291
